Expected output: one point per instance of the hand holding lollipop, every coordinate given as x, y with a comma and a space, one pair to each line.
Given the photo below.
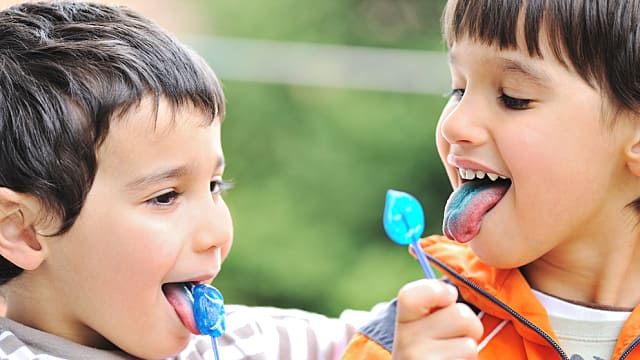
404, 223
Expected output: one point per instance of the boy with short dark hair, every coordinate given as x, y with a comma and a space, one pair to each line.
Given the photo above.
110, 178
541, 143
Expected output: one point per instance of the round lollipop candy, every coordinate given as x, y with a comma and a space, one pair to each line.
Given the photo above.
208, 310
403, 222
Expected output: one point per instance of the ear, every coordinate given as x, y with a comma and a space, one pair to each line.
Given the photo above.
633, 156
19, 242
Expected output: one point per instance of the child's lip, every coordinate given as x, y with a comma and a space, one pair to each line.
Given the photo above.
204, 279
461, 163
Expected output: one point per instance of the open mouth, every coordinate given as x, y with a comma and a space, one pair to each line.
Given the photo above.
478, 194
180, 297
470, 175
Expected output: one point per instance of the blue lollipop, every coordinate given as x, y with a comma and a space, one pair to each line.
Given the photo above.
208, 310
403, 222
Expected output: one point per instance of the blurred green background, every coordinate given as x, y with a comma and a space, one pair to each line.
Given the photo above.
311, 164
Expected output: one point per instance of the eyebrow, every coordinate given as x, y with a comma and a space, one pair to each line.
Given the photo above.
516, 67
529, 72
166, 174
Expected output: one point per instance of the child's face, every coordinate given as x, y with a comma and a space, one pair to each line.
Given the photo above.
153, 216
540, 125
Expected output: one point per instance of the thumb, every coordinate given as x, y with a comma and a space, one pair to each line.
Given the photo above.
419, 298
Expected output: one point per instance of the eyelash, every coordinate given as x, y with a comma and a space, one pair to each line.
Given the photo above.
171, 196
514, 103
508, 101
216, 187
221, 185
457, 93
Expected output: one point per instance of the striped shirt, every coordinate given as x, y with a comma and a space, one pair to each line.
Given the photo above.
253, 333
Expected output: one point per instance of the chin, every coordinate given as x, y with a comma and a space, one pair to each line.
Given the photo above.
495, 256
167, 350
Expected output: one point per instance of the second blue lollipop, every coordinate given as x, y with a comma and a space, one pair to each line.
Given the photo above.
403, 221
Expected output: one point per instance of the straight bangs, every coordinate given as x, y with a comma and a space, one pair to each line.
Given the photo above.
598, 40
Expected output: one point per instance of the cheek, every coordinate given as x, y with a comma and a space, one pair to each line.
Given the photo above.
533, 156
131, 245
549, 173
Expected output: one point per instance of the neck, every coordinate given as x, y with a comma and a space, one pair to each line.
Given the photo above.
598, 276
30, 301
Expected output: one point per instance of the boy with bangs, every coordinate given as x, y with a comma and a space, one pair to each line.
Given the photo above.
541, 143
111, 171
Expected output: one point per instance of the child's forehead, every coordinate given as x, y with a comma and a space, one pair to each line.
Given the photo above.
158, 115
152, 120
470, 59
531, 30
511, 61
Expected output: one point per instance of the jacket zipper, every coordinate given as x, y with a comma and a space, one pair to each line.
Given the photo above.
519, 317
630, 348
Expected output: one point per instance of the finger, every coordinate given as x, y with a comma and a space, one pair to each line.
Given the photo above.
454, 349
456, 320
453, 321
419, 298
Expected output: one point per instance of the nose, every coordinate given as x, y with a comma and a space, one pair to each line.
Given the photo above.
214, 228
463, 122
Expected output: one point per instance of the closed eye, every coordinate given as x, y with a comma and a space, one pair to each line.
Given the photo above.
514, 103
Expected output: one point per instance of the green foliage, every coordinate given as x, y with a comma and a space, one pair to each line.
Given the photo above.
311, 165
411, 24
311, 168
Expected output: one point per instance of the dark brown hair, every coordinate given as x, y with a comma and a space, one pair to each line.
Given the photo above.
68, 70
599, 40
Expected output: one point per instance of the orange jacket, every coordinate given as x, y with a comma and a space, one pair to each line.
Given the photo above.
522, 328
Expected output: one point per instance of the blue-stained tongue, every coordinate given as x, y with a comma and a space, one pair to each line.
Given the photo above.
467, 206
